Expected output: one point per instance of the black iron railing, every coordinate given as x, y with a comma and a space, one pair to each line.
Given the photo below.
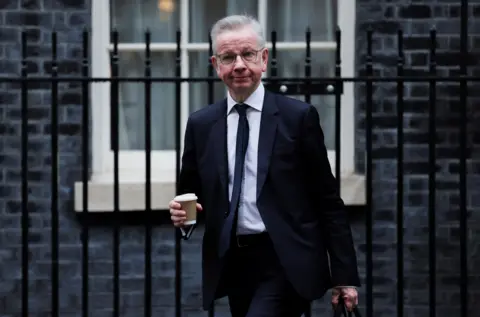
307, 86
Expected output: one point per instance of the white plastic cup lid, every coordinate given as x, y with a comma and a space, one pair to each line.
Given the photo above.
185, 197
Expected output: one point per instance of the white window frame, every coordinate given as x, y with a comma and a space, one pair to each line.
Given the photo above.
132, 163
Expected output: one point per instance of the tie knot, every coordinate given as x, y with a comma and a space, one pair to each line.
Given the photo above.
241, 109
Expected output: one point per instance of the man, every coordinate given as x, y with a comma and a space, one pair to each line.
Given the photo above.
258, 163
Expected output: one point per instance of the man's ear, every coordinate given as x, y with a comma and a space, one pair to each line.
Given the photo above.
264, 59
214, 61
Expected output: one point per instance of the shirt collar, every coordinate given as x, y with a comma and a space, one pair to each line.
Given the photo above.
255, 100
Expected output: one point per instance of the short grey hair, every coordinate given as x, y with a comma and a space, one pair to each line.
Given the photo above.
235, 22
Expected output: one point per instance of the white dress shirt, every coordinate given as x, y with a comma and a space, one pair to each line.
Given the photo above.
249, 219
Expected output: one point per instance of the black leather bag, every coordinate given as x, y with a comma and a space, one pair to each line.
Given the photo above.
341, 310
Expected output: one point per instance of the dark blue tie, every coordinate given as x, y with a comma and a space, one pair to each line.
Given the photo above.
240, 151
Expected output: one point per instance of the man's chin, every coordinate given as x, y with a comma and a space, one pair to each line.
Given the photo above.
242, 83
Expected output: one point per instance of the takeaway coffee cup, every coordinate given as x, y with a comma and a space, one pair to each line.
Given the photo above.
189, 204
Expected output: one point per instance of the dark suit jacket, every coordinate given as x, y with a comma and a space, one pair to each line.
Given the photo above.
296, 195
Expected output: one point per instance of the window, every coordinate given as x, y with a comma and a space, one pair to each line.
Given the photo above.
194, 18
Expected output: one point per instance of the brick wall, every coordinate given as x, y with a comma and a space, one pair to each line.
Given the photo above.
416, 18
68, 18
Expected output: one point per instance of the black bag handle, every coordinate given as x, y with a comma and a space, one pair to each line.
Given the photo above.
341, 310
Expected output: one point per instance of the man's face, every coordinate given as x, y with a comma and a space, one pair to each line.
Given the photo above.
239, 60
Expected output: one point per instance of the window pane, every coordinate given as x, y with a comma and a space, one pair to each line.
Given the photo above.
199, 91
292, 64
291, 20
132, 102
204, 13
133, 18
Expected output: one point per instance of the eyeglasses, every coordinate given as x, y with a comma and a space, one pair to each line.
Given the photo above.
249, 56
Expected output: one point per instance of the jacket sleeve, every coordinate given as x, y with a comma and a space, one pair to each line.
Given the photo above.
189, 179
322, 183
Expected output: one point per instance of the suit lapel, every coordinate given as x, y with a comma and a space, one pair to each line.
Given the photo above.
218, 136
268, 128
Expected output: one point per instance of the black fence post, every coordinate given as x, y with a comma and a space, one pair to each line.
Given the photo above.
338, 107
210, 97
273, 61
148, 178
400, 177
308, 95
85, 172
210, 82
369, 185
463, 159
114, 106
24, 172
54, 179
178, 245
432, 168
308, 65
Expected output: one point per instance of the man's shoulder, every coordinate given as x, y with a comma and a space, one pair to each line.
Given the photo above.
209, 113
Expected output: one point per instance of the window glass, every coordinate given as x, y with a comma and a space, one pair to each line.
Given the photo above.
290, 20
204, 13
132, 18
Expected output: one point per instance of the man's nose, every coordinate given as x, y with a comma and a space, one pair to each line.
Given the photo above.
239, 63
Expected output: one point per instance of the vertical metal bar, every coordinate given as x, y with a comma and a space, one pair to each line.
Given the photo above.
178, 244
369, 185
308, 65
400, 177
114, 104
210, 96
24, 163
338, 108
273, 62
85, 163
148, 177
463, 159
308, 97
210, 82
432, 139
54, 180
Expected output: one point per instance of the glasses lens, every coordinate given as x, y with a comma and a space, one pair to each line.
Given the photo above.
227, 59
249, 56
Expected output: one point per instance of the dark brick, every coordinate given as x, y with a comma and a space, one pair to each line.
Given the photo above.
415, 12
8, 5
31, 4
9, 35
413, 43
71, 5
26, 18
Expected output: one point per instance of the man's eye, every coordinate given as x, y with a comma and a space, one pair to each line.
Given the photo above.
228, 58
248, 54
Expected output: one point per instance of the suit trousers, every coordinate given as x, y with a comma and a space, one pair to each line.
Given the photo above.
256, 282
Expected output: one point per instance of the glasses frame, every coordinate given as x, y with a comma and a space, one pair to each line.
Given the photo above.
219, 57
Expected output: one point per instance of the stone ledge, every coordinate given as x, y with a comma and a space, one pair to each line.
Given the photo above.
132, 194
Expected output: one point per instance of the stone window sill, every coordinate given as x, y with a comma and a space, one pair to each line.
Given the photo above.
132, 194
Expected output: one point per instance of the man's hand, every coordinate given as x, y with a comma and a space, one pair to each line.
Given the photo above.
349, 295
178, 215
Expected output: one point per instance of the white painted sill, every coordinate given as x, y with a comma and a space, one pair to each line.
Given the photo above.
132, 194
